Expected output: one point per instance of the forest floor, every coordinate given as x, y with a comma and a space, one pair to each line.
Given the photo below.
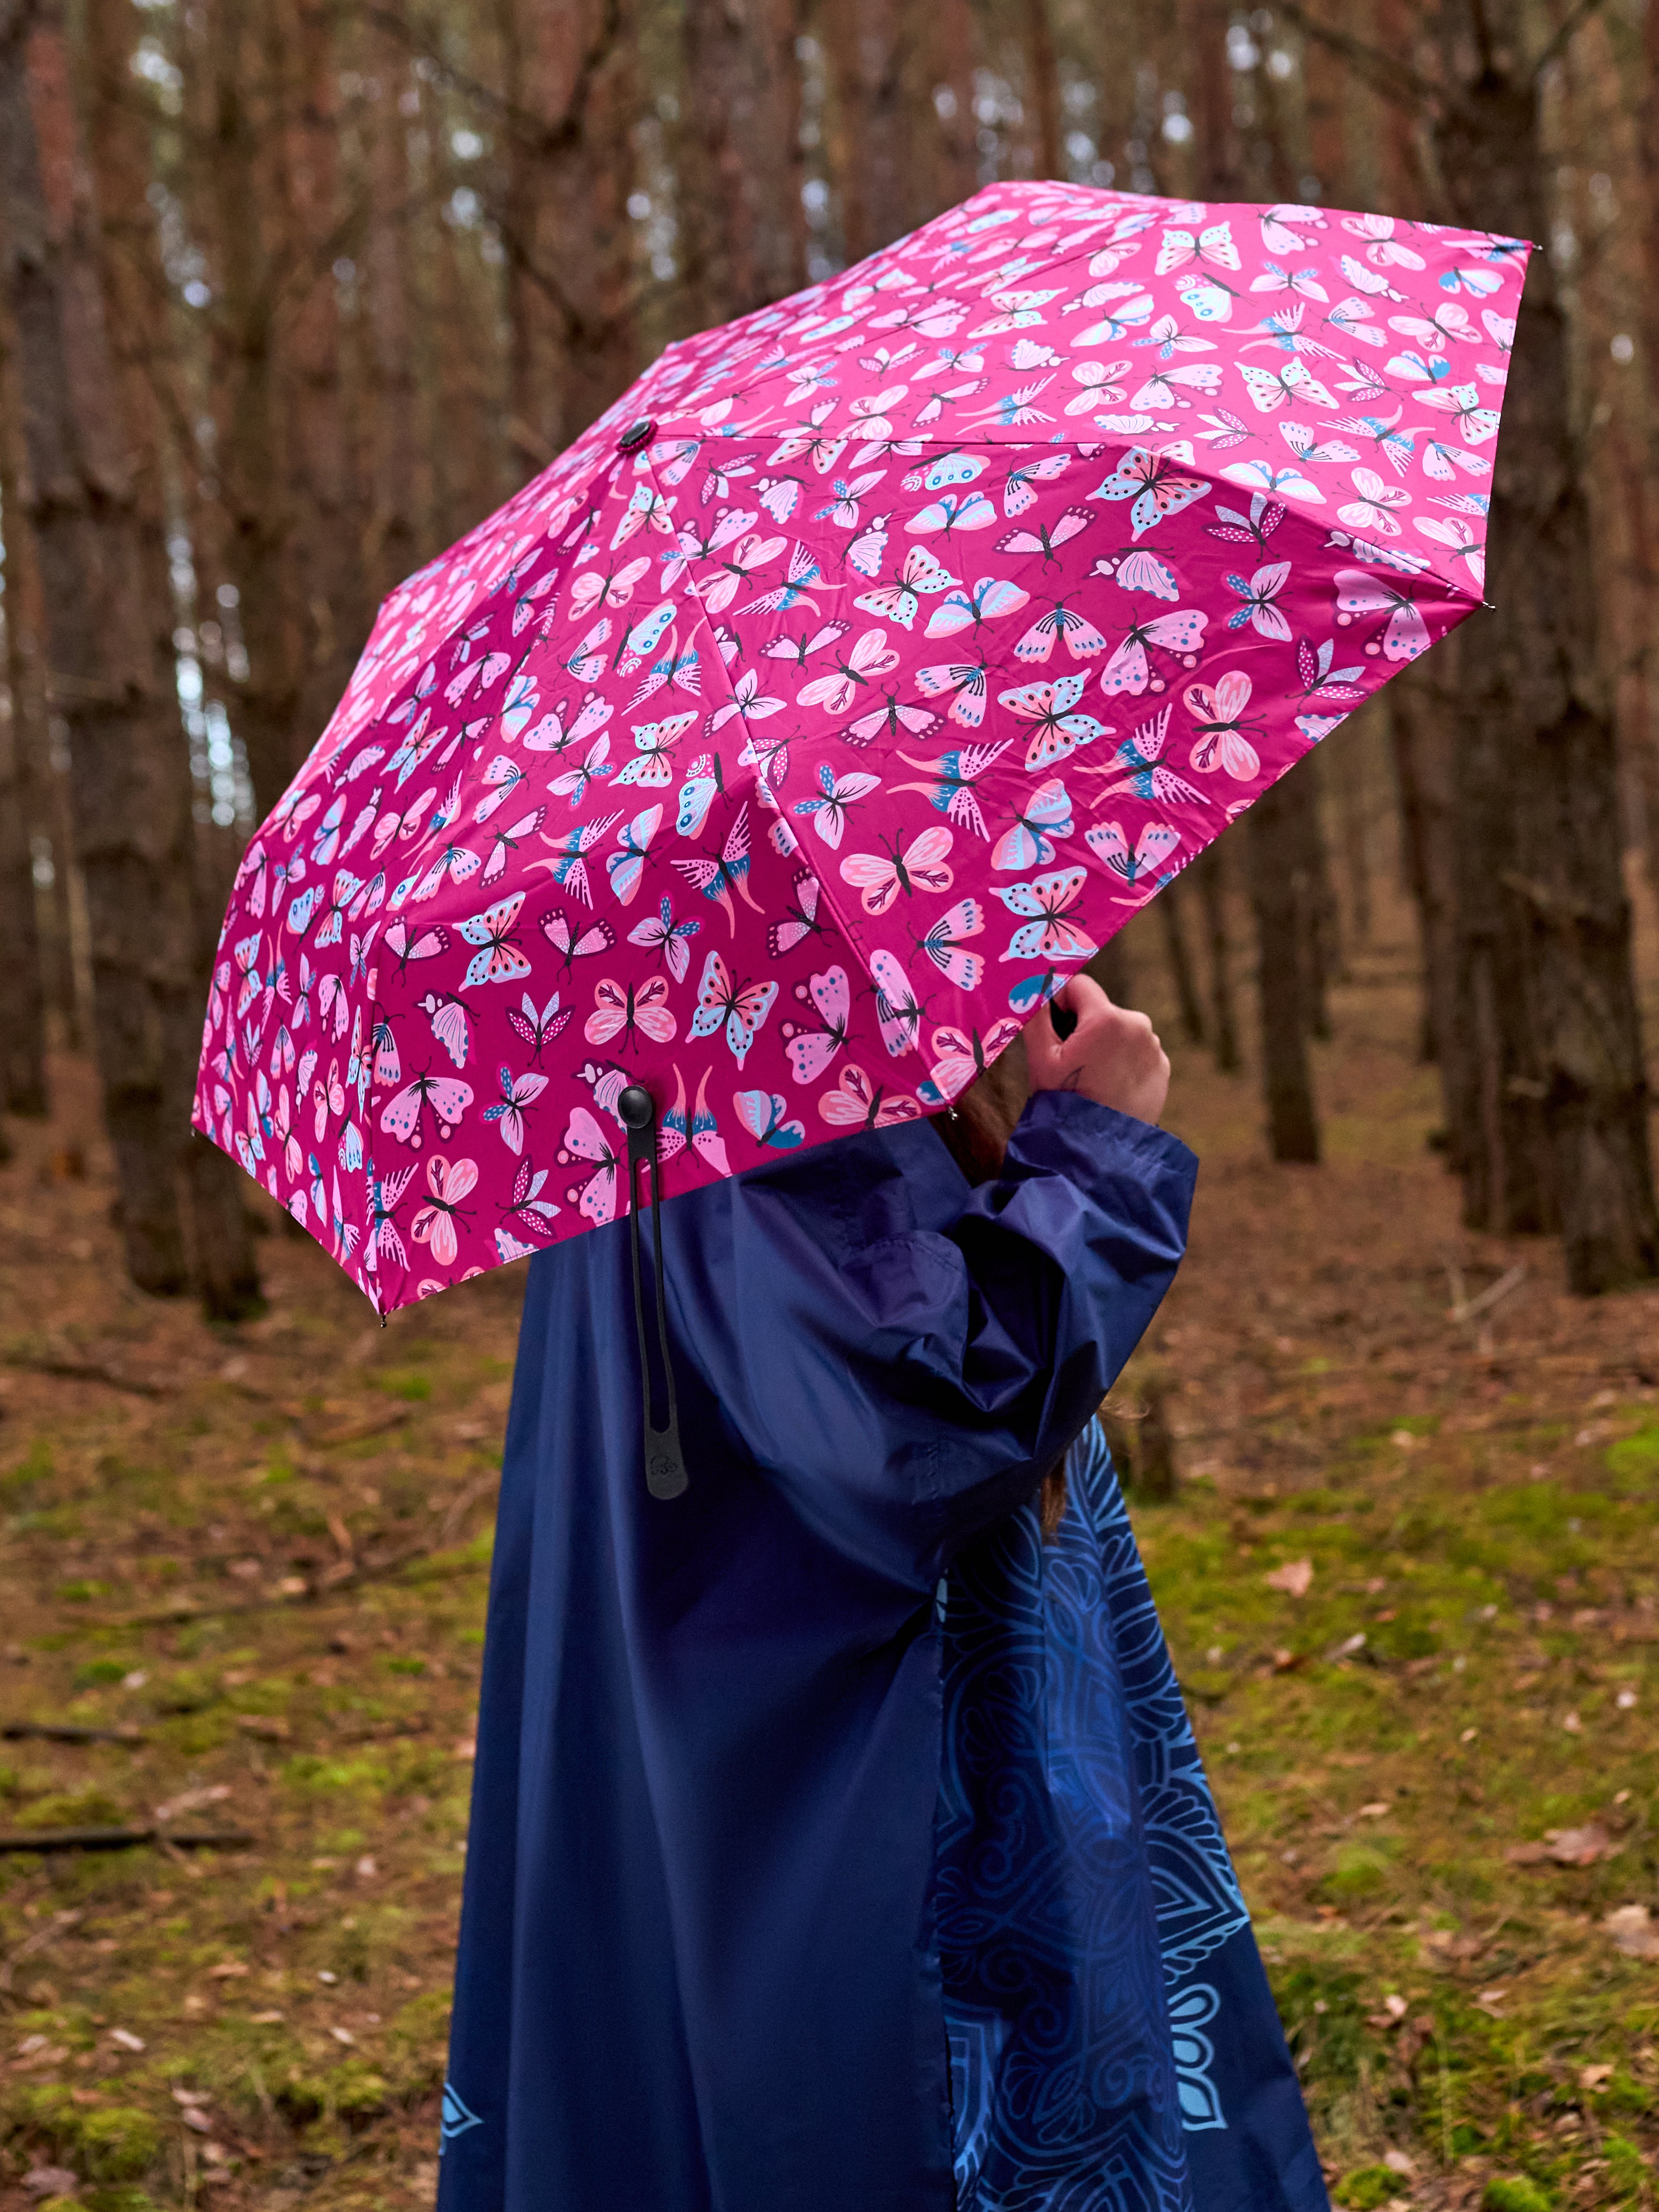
1412, 1584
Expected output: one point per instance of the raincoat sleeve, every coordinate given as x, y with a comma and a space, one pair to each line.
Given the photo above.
926, 1352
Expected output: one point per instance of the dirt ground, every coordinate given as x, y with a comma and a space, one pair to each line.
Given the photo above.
1411, 1582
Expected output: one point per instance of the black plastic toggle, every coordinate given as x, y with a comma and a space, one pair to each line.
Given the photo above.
639, 433
664, 1461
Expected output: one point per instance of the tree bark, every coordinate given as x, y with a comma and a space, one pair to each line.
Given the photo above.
1287, 1080
22, 973
1209, 871
1424, 755
135, 296
127, 828
1042, 83
1169, 906
742, 228
1539, 743
563, 218
394, 537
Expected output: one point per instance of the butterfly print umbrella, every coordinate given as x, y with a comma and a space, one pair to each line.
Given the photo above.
763, 765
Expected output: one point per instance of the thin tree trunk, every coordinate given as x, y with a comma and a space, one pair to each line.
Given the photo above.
1043, 81
1424, 759
1321, 951
1351, 790
742, 228
1540, 727
238, 205
327, 513
863, 43
127, 829
220, 1248
1209, 871
1111, 970
1170, 906
394, 536
22, 973
1287, 1079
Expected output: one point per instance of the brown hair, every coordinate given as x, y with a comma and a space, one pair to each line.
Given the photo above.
976, 1137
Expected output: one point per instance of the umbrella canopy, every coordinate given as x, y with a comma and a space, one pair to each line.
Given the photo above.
782, 748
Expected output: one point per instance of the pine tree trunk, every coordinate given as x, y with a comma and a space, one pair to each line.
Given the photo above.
863, 43
22, 973
223, 1272
80, 504
1209, 871
1539, 741
563, 216
1425, 752
1351, 790
742, 228
1321, 952
393, 538
1170, 906
237, 201
1043, 86
1287, 1079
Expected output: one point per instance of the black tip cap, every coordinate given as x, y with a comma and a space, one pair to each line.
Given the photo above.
639, 433
637, 1108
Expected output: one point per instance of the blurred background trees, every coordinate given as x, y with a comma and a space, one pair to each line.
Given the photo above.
295, 290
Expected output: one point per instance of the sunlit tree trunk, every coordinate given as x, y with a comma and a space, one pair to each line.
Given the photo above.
742, 228
1538, 736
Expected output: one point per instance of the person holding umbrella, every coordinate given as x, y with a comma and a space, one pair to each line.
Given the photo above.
838, 1839
710, 824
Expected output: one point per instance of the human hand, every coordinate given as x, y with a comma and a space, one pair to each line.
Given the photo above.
1112, 1056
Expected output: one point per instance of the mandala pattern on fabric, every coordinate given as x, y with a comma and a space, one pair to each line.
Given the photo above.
1082, 1875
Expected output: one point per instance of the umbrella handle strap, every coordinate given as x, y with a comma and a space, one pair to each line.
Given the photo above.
664, 1461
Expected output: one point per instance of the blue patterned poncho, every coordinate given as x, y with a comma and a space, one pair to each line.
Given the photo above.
839, 1844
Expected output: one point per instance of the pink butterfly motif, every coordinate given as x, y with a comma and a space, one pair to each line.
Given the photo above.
1356, 593
586, 1143
963, 682
598, 937
1259, 593
1083, 640
384, 1240
1046, 539
499, 959
960, 1060
447, 1098
747, 699
1058, 729
920, 576
809, 1052
1017, 492
588, 662
550, 735
893, 718
1050, 933
669, 939
738, 1009
871, 656
1129, 670
1138, 767
500, 776
764, 1115
569, 866
830, 813
614, 587
717, 878
960, 609
746, 559
801, 919
706, 1140
538, 1030
1218, 711
1027, 842
954, 775
407, 824
1372, 510
626, 869
1154, 486
898, 1013
881, 878
856, 1102
866, 553
630, 1010
518, 1092
800, 650
942, 944
507, 841
952, 511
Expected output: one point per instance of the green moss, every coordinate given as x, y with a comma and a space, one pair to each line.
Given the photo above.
1360, 1870
118, 2142
90, 1807
97, 1672
406, 1382
1366, 2188
1515, 2193
1634, 1461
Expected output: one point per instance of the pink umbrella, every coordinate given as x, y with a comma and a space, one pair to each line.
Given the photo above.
773, 757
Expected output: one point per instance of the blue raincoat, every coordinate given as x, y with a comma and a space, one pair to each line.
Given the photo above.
838, 1844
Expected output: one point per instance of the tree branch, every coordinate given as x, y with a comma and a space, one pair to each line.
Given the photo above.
1571, 25
1388, 76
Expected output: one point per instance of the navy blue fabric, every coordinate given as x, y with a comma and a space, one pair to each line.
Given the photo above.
700, 1969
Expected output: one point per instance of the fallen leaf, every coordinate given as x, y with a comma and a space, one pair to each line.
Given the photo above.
226, 1968
199, 2121
1592, 2077
1565, 1847
1397, 2162
126, 2038
1375, 1810
343, 2035
1489, 1999
191, 1801
270, 1725
1295, 1578
1633, 1931
51, 2181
